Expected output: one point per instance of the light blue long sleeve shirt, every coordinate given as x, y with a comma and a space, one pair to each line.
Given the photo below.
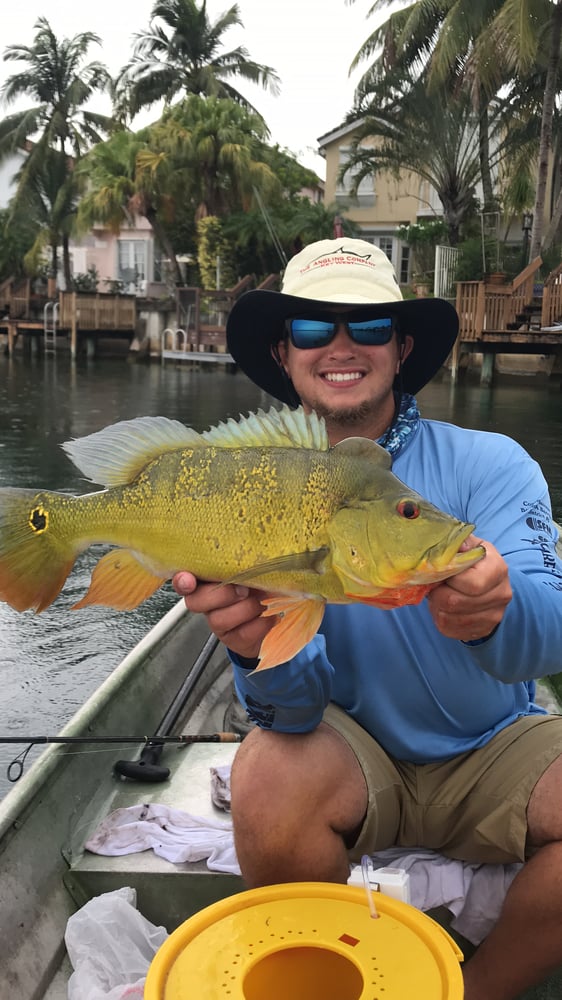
422, 696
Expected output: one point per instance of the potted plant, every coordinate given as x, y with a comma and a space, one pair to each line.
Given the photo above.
422, 238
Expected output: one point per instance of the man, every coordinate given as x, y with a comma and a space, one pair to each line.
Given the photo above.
414, 726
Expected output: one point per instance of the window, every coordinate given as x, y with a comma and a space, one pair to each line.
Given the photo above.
131, 262
365, 196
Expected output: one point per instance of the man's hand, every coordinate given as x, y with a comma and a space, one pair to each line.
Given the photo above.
232, 612
470, 605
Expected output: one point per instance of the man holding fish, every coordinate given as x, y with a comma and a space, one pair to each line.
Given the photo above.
401, 723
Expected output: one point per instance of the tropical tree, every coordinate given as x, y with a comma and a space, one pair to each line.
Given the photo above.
429, 135
56, 129
59, 82
488, 46
220, 148
126, 177
48, 200
202, 157
17, 235
519, 42
181, 52
436, 39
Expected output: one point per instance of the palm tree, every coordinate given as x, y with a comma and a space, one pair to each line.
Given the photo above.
429, 135
437, 39
181, 53
203, 154
220, 146
124, 177
56, 78
48, 199
57, 129
519, 42
488, 45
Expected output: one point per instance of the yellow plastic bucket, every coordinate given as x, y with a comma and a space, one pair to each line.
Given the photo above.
307, 941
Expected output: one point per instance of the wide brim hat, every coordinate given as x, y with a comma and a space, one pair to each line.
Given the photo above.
356, 276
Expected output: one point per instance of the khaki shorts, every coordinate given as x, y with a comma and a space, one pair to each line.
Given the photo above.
472, 807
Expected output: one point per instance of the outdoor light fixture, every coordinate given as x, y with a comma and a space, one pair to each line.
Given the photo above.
527, 223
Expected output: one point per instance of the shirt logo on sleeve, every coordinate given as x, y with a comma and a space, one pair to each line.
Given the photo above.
263, 715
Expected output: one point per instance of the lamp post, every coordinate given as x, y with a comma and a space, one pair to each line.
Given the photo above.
526, 226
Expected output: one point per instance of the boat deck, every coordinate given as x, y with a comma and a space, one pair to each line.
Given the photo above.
167, 893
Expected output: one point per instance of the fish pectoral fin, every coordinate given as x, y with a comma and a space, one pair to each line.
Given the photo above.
313, 561
120, 581
299, 620
396, 598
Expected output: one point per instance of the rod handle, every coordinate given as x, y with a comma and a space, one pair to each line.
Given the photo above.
146, 768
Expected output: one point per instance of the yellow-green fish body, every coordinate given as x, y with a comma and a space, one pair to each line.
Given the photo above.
264, 501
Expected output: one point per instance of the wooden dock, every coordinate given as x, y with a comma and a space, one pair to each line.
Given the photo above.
515, 318
68, 316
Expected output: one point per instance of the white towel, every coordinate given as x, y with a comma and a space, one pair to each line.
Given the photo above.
220, 786
173, 834
474, 893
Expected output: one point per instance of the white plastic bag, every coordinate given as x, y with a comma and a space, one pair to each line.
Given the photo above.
110, 945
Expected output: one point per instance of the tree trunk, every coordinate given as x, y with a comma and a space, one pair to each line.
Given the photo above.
545, 145
554, 224
490, 202
66, 263
165, 244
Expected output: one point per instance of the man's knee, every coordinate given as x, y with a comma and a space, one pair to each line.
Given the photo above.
314, 775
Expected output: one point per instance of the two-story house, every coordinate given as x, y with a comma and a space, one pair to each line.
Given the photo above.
382, 203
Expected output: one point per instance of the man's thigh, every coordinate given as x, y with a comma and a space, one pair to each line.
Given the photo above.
473, 807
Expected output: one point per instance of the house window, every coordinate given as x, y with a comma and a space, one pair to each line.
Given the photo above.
131, 263
386, 245
404, 265
365, 196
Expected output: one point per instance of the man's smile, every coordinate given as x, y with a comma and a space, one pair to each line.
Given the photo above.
342, 376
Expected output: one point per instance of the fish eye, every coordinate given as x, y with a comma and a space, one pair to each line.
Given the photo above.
408, 508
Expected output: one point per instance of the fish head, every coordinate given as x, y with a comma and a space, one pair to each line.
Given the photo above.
397, 541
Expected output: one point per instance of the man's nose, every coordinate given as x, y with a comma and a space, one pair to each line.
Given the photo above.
341, 338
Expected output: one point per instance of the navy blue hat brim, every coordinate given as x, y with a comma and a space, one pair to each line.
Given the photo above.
257, 322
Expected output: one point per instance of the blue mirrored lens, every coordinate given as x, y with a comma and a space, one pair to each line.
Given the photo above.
309, 333
371, 331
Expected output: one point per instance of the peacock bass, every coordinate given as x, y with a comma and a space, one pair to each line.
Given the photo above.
262, 501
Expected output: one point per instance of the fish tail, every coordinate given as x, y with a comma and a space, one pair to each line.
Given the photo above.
35, 557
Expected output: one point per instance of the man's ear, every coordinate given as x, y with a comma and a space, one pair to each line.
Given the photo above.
406, 347
279, 354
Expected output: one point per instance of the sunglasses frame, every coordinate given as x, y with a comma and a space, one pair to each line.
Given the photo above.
348, 323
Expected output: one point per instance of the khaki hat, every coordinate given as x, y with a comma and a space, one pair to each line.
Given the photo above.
356, 275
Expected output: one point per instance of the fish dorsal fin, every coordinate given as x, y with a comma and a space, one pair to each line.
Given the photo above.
116, 454
283, 428
360, 447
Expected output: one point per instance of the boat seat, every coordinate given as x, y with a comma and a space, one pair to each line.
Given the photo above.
167, 893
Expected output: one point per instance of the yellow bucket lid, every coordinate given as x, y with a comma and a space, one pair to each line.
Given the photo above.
306, 941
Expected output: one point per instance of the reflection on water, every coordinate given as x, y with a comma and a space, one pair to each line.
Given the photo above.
50, 663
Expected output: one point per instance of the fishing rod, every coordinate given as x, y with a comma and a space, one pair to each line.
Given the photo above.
14, 770
146, 768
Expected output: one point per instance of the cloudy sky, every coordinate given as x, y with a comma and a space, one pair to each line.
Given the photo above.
310, 44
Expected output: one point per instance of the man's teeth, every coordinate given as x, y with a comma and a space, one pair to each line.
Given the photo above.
343, 377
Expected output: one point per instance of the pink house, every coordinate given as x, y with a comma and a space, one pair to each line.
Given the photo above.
129, 257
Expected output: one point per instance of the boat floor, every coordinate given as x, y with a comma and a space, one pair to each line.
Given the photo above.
169, 893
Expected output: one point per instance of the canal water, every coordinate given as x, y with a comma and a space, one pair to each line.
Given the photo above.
50, 663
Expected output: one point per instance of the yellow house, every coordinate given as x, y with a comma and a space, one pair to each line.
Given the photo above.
382, 203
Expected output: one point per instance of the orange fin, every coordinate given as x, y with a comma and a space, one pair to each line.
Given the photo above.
395, 598
120, 581
299, 621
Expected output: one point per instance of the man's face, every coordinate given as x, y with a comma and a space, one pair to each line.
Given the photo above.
349, 384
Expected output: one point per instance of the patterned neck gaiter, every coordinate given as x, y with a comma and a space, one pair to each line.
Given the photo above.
408, 418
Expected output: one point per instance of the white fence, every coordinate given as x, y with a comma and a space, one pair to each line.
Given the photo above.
446, 259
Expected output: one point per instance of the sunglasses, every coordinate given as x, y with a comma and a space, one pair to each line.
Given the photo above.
308, 333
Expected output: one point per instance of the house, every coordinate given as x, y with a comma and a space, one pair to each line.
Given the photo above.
127, 261
382, 204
